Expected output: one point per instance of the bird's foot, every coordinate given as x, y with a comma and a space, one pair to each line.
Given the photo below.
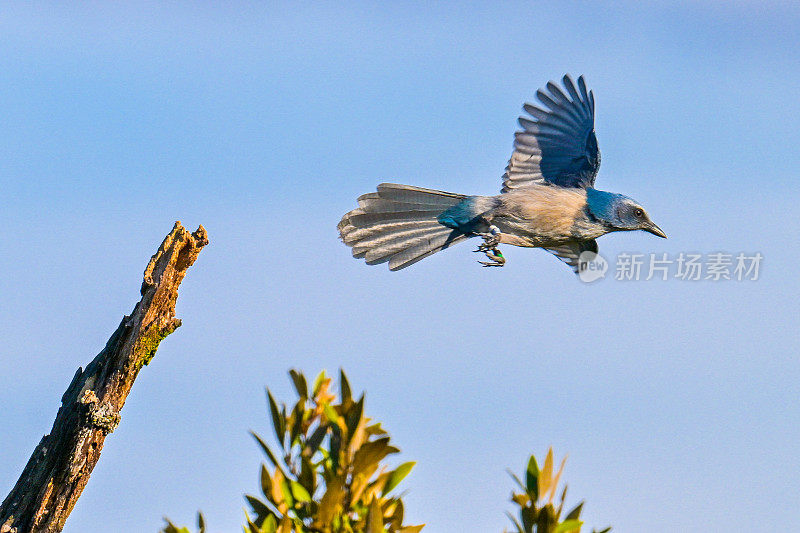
495, 256
489, 247
489, 242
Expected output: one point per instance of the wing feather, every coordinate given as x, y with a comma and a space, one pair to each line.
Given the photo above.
558, 145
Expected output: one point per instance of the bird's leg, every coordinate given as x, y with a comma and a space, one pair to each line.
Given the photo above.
489, 247
490, 238
497, 259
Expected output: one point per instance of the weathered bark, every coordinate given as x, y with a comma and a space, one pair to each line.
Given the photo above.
61, 464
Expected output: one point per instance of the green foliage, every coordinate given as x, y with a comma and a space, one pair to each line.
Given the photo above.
327, 473
172, 528
537, 511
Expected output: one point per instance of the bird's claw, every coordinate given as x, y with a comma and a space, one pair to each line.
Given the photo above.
490, 242
497, 259
489, 247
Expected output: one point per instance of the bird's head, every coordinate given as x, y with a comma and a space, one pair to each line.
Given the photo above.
620, 212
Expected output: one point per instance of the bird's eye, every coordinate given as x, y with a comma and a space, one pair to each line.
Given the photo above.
638, 213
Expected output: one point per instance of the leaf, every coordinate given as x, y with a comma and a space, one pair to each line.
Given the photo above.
546, 473
372, 452
353, 417
270, 525
344, 387
300, 384
528, 515
374, 517
314, 441
284, 422
201, 522
360, 482
330, 413
266, 481
532, 478
568, 525
516, 524
606, 530
296, 422
375, 429
285, 526
554, 487
412, 529
278, 421
516, 478
267, 451
277, 491
397, 515
397, 476
300, 493
336, 446
308, 475
172, 528
259, 508
546, 519
330, 501
320, 379
251, 527
520, 499
575, 513
286, 490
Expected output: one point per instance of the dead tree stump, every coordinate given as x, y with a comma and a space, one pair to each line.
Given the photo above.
61, 464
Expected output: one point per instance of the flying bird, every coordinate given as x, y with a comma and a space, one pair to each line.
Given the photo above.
548, 199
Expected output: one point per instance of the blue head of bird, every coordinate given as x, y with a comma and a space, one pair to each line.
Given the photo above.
620, 213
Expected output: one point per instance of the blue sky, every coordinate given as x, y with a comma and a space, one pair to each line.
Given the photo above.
676, 401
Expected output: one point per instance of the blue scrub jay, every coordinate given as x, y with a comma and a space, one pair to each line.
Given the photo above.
548, 199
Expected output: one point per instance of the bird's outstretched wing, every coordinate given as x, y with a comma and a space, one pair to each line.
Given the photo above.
559, 146
570, 252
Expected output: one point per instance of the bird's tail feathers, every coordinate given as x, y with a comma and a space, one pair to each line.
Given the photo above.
398, 224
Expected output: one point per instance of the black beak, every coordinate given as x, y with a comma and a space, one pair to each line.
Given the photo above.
655, 230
